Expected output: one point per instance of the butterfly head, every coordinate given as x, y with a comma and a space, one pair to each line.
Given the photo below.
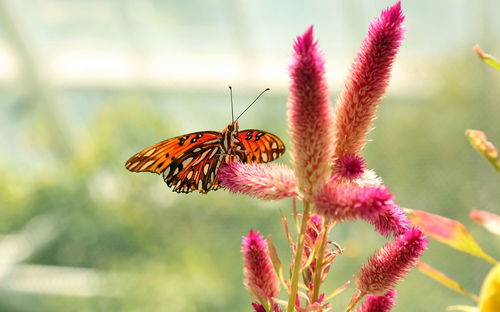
232, 127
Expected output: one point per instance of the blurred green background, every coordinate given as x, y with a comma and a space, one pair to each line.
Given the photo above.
84, 84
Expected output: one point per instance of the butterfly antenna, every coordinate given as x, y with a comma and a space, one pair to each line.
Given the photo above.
252, 103
232, 111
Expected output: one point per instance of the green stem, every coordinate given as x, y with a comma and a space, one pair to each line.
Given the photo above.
297, 262
319, 262
358, 295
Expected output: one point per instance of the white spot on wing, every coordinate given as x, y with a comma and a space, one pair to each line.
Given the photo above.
150, 152
147, 164
166, 172
205, 168
186, 162
133, 165
274, 145
189, 175
264, 157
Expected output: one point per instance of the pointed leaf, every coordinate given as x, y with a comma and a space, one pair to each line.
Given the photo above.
489, 220
275, 259
287, 230
449, 232
338, 291
487, 58
480, 142
445, 280
490, 291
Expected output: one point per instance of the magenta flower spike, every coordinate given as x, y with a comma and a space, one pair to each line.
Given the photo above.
391, 263
260, 278
378, 303
349, 167
391, 220
370, 73
310, 118
264, 181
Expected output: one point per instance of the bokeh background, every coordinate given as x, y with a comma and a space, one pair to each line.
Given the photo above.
84, 84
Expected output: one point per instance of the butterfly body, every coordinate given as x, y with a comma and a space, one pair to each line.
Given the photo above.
190, 162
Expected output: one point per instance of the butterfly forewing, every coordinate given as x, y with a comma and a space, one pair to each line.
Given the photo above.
260, 146
159, 156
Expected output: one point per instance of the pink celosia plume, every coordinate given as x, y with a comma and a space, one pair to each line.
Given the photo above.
379, 303
391, 263
390, 220
260, 278
264, 181
349, 167
310, 118
367, 82
374, 204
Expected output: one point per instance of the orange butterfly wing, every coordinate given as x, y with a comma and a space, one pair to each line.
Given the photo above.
178, 159
260, 146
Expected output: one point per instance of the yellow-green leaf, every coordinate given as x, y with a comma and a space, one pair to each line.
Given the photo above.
487, 58
462, 308
480, 142
490, 291
338, 291
449, 232
275, 259
489, 220
445, 280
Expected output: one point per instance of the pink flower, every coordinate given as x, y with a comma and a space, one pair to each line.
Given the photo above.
340, 202
391, 263
369, 78
264, 181
349, 167
310, 117
391, 220
260, 308
260, 278
379, 303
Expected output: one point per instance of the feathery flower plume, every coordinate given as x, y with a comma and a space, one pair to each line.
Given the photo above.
369, 178
367, 82
339, 202
391, 263
379, 303
349, 167
391, 220
310, 116
264, 181
260, 278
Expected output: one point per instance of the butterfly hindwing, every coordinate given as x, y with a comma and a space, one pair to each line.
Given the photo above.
259, 146
196, 169
159, 156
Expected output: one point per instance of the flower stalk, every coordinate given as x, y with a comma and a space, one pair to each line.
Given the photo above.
297, 261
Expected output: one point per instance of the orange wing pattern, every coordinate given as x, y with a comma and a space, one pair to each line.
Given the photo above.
260, 146
188, 162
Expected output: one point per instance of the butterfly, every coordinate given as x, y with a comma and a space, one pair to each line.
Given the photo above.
191, 162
